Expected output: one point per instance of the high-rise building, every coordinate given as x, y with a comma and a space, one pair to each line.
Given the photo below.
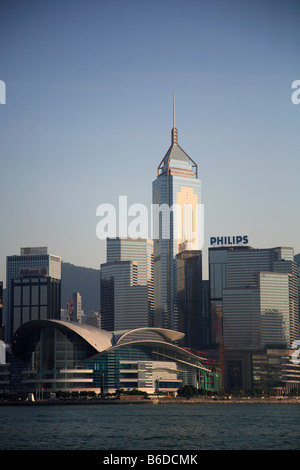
126, 284
177, 226
218, 266
33, 287
35, 297
75, 310
193, 305
139, 250
254, 294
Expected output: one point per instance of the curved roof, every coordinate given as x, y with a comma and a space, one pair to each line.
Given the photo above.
100, 340
167, 335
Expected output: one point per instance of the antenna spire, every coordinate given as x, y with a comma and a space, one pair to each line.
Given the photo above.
174, 109
174, 130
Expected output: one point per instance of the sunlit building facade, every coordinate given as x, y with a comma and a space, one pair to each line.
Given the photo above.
126, 284
177, 226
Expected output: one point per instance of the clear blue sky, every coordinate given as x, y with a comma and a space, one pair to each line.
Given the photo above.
88, 116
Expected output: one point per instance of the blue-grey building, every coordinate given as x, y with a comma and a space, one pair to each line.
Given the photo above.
126, 284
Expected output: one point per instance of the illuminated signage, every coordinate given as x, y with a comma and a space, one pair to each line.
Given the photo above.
231, 240
28, 272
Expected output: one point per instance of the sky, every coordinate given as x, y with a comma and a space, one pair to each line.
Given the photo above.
88, 116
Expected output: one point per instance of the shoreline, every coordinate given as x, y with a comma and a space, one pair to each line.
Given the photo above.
156, 401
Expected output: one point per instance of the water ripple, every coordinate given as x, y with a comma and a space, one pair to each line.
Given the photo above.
176, 427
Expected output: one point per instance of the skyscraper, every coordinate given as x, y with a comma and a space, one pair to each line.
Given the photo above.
178, 226
126, 284
36, 275
193, 305
139, 250
75, 308
254, 293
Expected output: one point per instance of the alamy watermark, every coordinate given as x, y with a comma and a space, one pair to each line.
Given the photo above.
2, 92
296, 95
296, 354
181, 222
2, 352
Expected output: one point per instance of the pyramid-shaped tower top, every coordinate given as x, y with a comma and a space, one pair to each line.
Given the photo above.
176, 162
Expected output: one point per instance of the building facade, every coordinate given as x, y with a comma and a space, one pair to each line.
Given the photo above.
126, 284
254, 309
75, 311
254, 294
193, 303
33, 263
177, 226
35, 298
56, 355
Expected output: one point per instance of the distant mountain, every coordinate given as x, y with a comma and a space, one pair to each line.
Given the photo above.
82, 280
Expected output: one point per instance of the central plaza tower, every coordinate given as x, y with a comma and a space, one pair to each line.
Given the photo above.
178, 226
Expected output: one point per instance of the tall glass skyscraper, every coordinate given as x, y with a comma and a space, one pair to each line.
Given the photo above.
178, 226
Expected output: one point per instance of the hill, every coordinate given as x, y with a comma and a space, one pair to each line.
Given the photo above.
82, 280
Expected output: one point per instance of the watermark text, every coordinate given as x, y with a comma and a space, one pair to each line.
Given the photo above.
296, 95
2, 92
184, 223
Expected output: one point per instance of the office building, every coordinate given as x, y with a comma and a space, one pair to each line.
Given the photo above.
93, 319
35, 297
75, 311
256, 291
193, 302
126, 284
139, 250
254, 308
33, 287
177, 226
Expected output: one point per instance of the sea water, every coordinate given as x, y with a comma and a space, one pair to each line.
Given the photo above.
145, 427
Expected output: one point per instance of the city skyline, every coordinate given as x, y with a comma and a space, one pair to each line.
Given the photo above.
88, 116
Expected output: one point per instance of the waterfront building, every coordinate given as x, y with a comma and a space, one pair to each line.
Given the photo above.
276, 369
59, 355
177, 227
126, 284
33, 281
254, 308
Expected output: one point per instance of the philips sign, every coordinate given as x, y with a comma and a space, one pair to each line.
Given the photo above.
236, 240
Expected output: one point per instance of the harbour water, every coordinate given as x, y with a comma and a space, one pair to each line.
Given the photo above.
145, 427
